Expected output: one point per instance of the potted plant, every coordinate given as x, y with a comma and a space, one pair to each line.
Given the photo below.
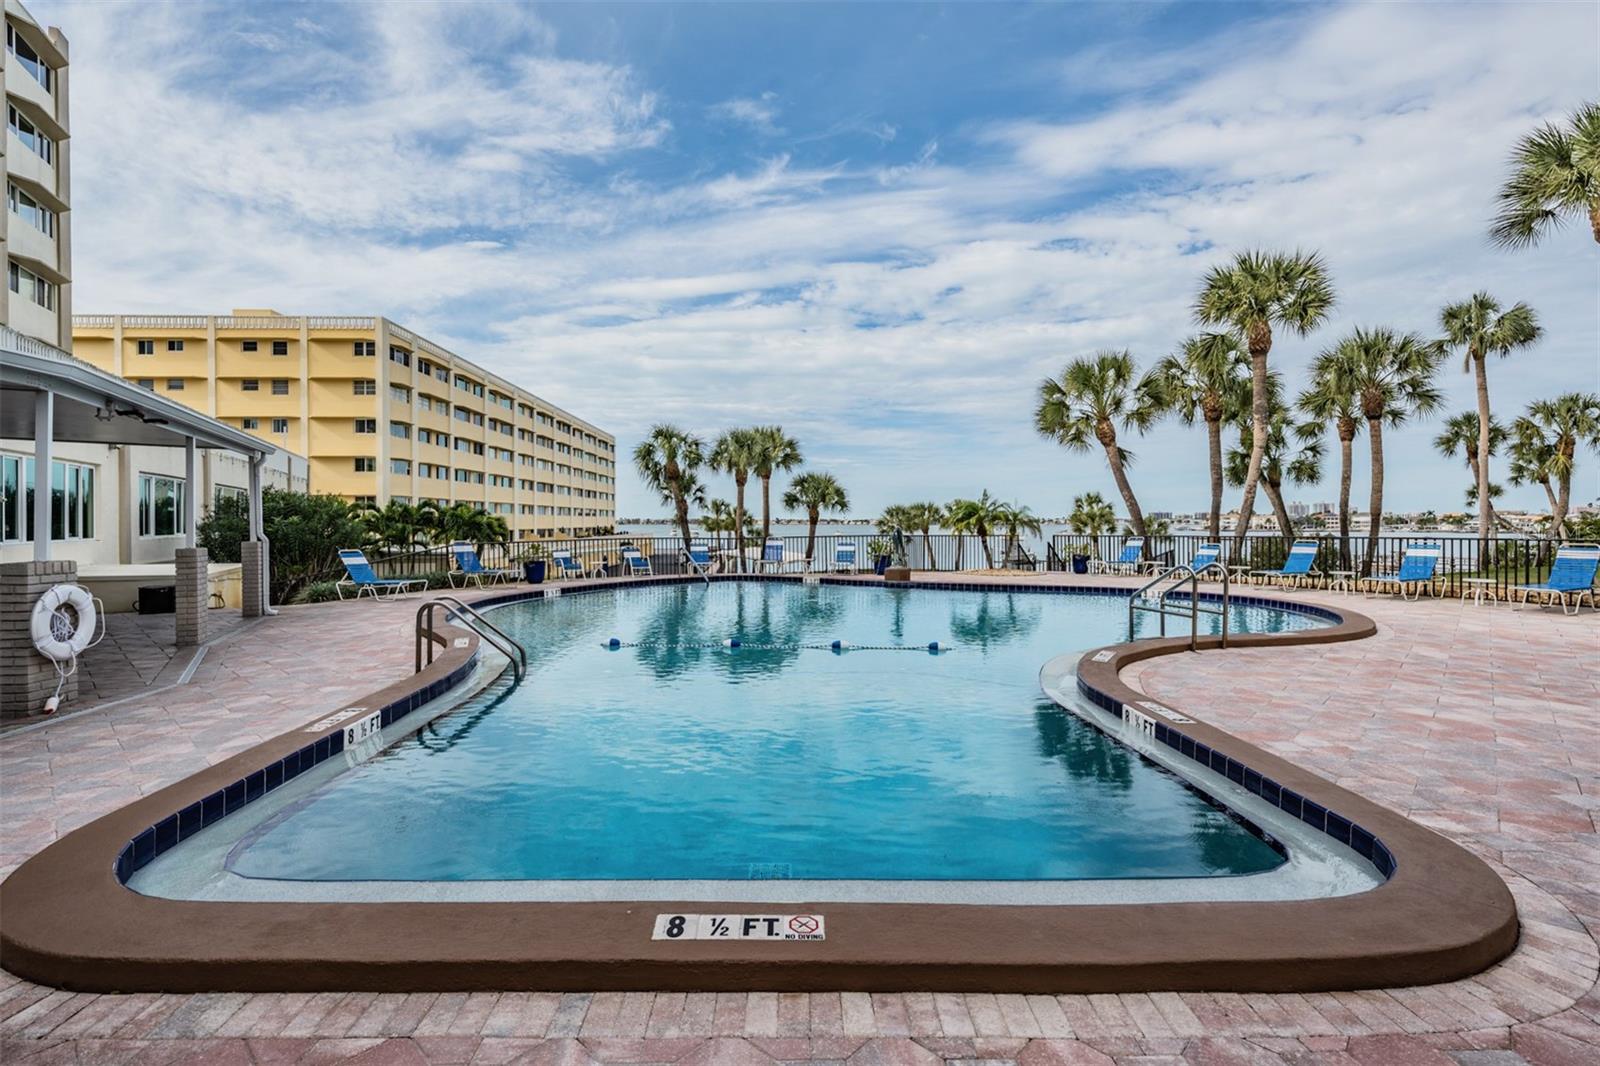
878, 548
532, 560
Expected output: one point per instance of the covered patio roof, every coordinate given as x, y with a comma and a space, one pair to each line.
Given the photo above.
94, 407
49, 396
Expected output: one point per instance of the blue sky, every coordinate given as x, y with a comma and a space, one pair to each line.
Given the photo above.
878, 224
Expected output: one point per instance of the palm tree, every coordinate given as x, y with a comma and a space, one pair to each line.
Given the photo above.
954, 518
1531, 454
1329, 398
975, 518
669, 460
1479, 328
1555, 175
1092, 515
1553, 430
1254, 293
396, 526
471, 523
1391, 375
1088, 400
1300, 461
1208, 380
775, 451
922, 517
1460, 438
816, 492
718, 520
735, 453
1015, 519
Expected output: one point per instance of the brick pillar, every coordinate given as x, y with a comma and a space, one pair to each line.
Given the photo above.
27, 678
251, 556
194, 596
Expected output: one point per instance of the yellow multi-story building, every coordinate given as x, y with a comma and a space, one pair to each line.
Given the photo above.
35, 228
380, 413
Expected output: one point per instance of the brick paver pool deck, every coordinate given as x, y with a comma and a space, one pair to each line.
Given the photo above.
1482, 723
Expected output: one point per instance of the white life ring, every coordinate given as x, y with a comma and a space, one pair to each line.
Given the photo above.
58, 633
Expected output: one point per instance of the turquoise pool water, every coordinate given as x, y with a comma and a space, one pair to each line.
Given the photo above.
680, 758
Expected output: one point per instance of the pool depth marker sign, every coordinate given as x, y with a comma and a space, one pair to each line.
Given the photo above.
739, 927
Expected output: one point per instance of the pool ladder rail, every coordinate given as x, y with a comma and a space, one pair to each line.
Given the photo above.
1153, 596
426, 632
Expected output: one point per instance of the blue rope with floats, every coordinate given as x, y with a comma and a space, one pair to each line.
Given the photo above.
933, 647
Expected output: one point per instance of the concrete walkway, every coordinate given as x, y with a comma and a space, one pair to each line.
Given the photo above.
1483, 723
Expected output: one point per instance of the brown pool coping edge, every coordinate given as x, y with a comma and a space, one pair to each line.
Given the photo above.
67, 920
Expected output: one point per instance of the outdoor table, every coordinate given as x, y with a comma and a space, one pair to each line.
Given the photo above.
1239, 574
1342, 581
1481, 587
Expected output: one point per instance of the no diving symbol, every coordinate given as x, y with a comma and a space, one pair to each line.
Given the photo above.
803, 924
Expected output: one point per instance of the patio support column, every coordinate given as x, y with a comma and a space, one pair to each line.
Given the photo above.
191, 502
193, 596
44, 424
255, 552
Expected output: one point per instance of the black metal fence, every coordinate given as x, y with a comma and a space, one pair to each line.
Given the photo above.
603, 554
1505, 561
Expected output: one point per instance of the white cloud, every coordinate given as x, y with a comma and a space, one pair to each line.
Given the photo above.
760, 113
897, 317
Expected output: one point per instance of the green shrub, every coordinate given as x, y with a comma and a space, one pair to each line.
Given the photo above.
318, 592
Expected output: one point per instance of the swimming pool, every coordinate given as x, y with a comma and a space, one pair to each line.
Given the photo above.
677, 757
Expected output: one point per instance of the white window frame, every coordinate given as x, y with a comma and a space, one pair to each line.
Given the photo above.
146, 506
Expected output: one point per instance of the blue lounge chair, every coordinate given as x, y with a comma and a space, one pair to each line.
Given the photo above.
1417, 566
471, 569
636, 562
1206, 557
1296, 568
565, 564
359, 576
772, 556
1126, 563
698, 559
844, 556
1571, 575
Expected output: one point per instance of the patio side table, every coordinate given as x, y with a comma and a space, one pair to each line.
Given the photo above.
1481, 587
1342, 581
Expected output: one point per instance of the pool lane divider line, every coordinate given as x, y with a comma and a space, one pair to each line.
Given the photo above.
933, 647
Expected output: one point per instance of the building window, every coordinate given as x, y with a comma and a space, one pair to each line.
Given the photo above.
30, 135
27, 58
366, 425
280, 386
248, 346
366, 464
250, 385
400, 466
280, 425
161, 510
174, 346
147, 383
146, 347
26, 283
280, 347
366, 348
364, 387
174, 384
399, 394
228, 492
71, 500
249, 423
30, 210
400, 429
399, 355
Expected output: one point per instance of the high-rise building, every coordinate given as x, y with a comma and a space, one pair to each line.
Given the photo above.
380, 412
35, 229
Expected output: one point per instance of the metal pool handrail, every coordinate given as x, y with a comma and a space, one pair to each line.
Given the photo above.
1177, 575
474, 621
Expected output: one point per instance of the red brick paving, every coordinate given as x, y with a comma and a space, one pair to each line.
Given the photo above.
1482, 723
